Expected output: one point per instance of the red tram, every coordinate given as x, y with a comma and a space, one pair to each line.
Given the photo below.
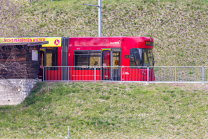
109, 58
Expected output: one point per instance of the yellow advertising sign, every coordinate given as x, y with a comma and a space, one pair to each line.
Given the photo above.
52, 41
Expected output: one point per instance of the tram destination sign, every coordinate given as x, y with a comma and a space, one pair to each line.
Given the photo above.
52, 41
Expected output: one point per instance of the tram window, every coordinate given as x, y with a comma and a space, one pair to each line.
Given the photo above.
81, 58
148, 57
51, 56
94, 59
41, 56
87, 59
135, 57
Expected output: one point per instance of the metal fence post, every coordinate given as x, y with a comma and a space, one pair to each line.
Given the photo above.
43, 73
175, 75
68, 73
148, 74
94, 73
121, 73
202, 75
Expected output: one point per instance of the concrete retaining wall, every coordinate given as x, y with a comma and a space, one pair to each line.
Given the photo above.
14, 91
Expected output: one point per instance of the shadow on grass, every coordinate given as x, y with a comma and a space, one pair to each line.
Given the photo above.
46, 94
34, 97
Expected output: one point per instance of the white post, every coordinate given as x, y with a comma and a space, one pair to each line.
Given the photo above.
99, 19
202, 75
148, 74
94, 73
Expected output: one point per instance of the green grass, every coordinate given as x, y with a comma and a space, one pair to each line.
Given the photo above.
179, 28
106, 110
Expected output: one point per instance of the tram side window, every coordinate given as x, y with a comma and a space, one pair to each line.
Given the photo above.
135, 57
81, 59
51, 56
87, 59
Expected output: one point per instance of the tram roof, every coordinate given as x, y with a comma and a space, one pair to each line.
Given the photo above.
105, 41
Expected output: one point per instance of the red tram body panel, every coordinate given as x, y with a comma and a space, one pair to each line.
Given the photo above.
99, 58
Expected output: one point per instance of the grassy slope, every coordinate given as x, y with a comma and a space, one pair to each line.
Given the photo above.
179, 29
103, 110
106, 110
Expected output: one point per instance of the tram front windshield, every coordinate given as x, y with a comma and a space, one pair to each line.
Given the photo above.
141, 57
148, 57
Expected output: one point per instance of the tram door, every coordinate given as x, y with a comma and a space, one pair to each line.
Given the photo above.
110, 64
115, 58
105, 70
41, 59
